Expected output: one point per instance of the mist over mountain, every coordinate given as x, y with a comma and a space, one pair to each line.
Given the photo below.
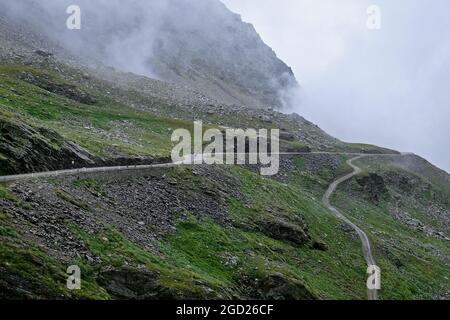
88, 181
387, 86
196, 43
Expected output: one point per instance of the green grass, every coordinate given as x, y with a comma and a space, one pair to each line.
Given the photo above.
230, 256
149, 134
6, 230
6, 195
367, 148
200, 249
339, 272
410, 267
195, 260
36, 269
63, 195
90, 184
316, 183
119, 252
204, 259
421, 273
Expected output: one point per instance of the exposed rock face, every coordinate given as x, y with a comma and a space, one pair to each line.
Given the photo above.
132, 284
224, 55
25, 149
65, 90
373, 186
280, 229
129, 283
276, 287
14, 287
210, 49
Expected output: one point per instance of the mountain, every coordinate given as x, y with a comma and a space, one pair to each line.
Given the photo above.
211, 232
199, 44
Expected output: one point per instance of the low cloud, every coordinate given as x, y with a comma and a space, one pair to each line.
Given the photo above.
388, 87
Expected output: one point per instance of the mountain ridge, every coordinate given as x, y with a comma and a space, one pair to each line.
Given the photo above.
194, 232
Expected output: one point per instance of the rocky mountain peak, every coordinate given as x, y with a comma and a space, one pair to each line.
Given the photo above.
200, 44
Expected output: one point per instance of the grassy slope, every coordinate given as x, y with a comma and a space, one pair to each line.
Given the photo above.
42, 275
412, 262
195, 254
197, 251
86, 125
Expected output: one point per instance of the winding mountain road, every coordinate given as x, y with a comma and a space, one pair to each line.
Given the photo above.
191, 158
367, 251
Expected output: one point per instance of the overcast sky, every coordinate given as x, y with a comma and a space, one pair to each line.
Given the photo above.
389, 87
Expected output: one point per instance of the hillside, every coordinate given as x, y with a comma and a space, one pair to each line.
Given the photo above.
212, 232
210, 49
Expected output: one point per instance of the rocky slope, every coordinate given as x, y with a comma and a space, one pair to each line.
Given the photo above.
199, 44
194, 232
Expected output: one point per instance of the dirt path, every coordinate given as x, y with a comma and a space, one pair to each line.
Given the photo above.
367, 251
372, 294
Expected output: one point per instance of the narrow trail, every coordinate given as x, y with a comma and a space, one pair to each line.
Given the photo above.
367, 251
372, 294
68, 172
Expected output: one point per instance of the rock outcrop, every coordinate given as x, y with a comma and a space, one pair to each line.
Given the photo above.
24, 149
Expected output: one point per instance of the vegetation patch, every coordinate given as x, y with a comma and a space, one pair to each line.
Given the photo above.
63, 195
91, 184
409, 259
174, 280
338, 272
29, 273
6, 195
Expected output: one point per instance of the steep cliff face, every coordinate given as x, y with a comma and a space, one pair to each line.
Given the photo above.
200, 44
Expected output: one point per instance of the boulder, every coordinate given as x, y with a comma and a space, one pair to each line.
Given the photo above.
280, 229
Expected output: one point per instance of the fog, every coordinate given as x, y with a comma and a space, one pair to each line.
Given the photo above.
99, 37
124, 34
389, 87
198, 43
